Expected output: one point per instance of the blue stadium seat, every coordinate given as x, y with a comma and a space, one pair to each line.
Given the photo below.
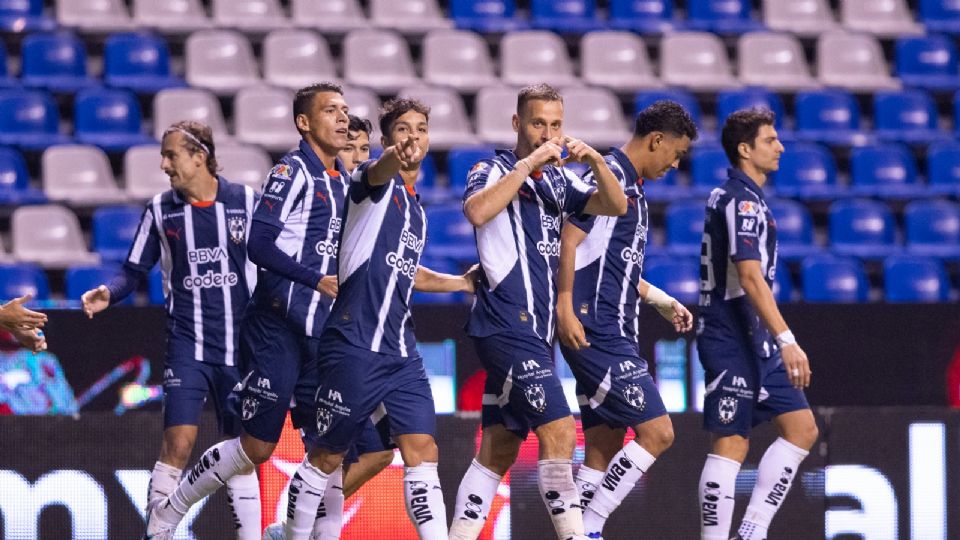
17, 280
449, 234
678, 277
834, 279
80, 279
807, 171
487, 16
15, 181
686, 99
908, 116
114, 228
927, 62
933, 229
29, 119
108, 118
708, 168
138, 62
794, 230
24, 16
943, 168
940, 15
5, 79
956, 114
55, 61
885, 170
829, 116
665, 188
782, 283
155, 287
642, 16
685, 227
459, 163
729, 101
722, 16
862, 228
565, 16
915, 279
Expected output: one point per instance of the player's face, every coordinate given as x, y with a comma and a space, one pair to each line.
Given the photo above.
409, 124
536, 123
765, 154
357, 150
178, 163
326, 123
667, 152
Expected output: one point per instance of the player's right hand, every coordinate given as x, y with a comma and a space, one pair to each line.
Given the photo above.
548, 152
570, 331
95, 300
797, 366
15, 315
329, 286
30, 338
408, 151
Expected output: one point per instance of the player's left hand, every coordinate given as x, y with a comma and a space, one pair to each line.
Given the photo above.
797, 365
580, 151
570, 331
30, 338
681, 318
329, 286
471, 277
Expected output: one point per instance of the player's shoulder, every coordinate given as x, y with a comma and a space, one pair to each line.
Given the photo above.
288, 166
236, 191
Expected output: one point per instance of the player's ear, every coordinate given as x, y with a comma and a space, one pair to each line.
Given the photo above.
744, 150
384, 143
302, 122
516, 123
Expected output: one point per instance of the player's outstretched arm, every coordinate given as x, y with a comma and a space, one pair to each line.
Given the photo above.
401, 155
14, 315
667, 306
569, 328
426, 280
609, 199
794, 358
485, 204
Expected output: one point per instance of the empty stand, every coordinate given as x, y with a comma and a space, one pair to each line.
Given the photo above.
79, 174
49, 235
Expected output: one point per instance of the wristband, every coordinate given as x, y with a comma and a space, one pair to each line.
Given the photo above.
657, 297
527, 163
786, 338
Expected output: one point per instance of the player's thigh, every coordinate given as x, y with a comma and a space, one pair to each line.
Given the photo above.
777, 396
732, 384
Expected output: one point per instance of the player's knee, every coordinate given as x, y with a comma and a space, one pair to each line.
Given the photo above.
557, 439
805, 435
656, 438
382, 460
258, 452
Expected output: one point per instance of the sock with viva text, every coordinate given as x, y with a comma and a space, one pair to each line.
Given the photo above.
216, 466
623, 473
477, 491
163, 480
587, 481
559, 494
778, 467
243, 496
329, 519
303, 500
718, 483
424, 499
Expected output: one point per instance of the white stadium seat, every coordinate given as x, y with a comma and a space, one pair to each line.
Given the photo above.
617, 60
253, 16
801, 17
220, 60
171, 16
244, 164
534, 56
142, 175
459, 59
854, 62
408, 16
883, 18
94, 15
696, 60
79, 174
365, 104
594, 115
296, 58
50, 236
263, 115
329, 16
176, 104
449, 125
773, 60
494, 113
379, 59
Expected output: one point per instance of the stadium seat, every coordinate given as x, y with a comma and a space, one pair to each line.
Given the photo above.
940, 16
24, 16
244, 164
5, 79
15, 181
696, 60
296, 58
408, 16
80, 279
155, 288
427, 180
794, 230
806, 18
29, 119
933, 229
180, 17
641, 16
79, 174
666, 188
687, 100
928, 62
829, 116
450, 234
956, 113
535, 56
459, 59
908, 116
730, 101
685, 227
141, 171
782, 283
616, 60
221, 61
915, 279
110, 119
365, 104
708, 168
176, 104
49, 235
449, 125
55, 61
114, 228
943, 168
594, 115
250, 16
460, 162
263, 115
94, 15
495, 106
862, 228
721, 16
889, 18
379, 59
834, 280
677, 276
138, 62
328, 16
775, 61
18, 280
565, 16
854, 62
487, 16
807, 171
886, 170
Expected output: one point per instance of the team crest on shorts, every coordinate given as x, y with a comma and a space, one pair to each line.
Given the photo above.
537, 397
249, 407
634, 396
238, 229
727, 409
324, 420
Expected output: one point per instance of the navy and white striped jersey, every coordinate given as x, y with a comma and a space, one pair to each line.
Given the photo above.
738, 226
520, 248
383, 236
610, 259
306, 201
207, 278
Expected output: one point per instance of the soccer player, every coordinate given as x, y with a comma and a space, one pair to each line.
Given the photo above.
600, 289
198, 231
517, 201
358, 143
24, 324
755, 370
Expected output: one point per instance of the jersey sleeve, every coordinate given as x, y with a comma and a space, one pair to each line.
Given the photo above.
742, 215
577, 194
480, 175
360, 187
281, 192
143, 254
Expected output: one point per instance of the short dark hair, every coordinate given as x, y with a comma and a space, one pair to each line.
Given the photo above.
537, 91
742, 127
360, 124
304, 98
197, 137
668, 117
397, 107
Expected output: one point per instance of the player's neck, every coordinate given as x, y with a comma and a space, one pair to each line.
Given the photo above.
755, 174
201, 189
633, 149
410, 175
327, 157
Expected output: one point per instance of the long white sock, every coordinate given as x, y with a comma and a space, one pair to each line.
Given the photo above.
587, 481
477, 491
329, 520
243, 495
623, 473
163, 480
718, 483
216, 465
778, 467
559, 494
421, 492
303, 500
